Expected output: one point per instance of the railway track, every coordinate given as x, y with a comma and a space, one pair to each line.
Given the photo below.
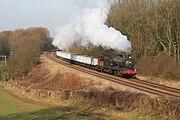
144, 86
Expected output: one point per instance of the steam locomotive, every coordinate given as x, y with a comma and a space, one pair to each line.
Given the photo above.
119, 65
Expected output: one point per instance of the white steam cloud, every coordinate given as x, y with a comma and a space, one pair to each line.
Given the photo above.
88, 25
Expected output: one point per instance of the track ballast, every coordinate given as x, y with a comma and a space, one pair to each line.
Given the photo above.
148, 87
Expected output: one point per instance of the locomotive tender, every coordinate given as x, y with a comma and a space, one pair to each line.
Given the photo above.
119, 65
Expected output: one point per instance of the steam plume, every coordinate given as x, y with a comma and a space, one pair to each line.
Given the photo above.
88, 25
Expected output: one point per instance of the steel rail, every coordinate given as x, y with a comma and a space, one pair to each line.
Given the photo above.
148, 87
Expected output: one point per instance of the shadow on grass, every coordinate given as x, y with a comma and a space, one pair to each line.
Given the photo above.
45, 114
54, 114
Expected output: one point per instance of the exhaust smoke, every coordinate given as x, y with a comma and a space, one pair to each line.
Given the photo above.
88, 25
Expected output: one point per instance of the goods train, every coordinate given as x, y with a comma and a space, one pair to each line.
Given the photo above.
119, 65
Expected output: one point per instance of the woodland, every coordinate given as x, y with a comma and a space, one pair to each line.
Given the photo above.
152, 27
22, 48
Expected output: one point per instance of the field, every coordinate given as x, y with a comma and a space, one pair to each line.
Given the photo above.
15, 109
46, 82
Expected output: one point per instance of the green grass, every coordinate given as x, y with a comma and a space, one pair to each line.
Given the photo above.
137, 115
12, 108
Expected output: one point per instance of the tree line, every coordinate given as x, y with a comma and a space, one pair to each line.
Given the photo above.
152, 26
23, 48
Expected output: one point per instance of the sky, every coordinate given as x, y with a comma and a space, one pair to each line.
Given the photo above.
68, 21
15, 14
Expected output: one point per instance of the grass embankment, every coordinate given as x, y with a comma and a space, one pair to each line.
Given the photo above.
12, 108
48, 83
74, 109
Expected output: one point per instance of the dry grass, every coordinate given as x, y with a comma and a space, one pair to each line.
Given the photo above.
159, 107
70, 81
64, 79
161, 81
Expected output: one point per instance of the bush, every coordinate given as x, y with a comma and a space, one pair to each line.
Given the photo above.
3, 72
160, 107
161, 65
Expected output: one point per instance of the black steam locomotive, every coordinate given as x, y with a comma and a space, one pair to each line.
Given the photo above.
119, 65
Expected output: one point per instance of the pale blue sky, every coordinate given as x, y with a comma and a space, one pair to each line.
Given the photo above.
16, 14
